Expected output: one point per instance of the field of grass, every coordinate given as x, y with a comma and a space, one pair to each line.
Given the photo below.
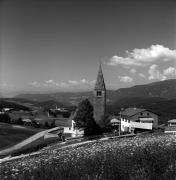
142, 157
10, 135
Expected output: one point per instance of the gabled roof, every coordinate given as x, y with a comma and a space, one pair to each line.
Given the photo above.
172, 121
100, 84
132, 111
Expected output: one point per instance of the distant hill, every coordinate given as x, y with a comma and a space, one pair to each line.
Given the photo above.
25, 104
49, 104
162, 89
67, 98
12, 104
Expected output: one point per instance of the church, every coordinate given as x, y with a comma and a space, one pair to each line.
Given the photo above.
99, 98
99, 105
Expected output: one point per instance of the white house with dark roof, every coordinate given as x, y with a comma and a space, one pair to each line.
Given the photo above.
138, 118
171, 127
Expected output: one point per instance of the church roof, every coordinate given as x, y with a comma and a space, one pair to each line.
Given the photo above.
100, 84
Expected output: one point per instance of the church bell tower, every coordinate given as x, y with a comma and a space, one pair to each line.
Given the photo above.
99, 102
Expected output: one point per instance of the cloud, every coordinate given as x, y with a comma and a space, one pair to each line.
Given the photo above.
35, 84
125, 79
73, 82
170, 71
79, 82
51, 83
154, 73
133, 71
142, 75
70, 83
144, 57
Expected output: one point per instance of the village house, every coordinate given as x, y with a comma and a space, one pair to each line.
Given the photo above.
171, 127
115, 120
138, 118
71, 127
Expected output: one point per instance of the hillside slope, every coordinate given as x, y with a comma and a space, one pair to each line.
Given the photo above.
162, 89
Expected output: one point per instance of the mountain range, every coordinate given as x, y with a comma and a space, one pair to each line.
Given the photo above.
162, 89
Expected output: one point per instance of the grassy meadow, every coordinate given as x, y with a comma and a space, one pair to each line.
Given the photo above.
141, 157
11, 134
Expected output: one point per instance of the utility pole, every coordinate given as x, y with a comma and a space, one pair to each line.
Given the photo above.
120, 123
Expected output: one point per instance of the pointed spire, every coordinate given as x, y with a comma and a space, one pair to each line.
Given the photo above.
100, 85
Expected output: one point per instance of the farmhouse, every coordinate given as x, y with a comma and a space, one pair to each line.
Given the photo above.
171, 127
138, 118
115, 120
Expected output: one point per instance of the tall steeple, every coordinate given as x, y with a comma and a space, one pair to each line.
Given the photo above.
100, 84
99, 98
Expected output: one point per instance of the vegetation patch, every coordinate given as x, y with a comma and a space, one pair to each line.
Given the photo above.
10, 135
145, 157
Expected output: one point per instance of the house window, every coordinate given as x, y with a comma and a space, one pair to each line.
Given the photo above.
69, 128
141, 114
148, 114
99, 93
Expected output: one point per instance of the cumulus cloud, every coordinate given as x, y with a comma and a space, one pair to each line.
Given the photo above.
142, 75
69, 83
154, 73
144, 57
73, 82
125, 79
79, 82
51, 83
170, 71
35, 84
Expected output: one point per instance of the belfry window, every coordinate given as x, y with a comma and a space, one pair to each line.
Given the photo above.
99, 93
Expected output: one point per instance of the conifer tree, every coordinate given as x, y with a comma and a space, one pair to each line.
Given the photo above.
84, 118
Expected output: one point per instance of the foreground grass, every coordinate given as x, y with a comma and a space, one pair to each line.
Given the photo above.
145, 157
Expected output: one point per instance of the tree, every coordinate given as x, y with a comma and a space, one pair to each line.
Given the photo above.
84, 118
46, 125
53, 124
5, 118
19, 121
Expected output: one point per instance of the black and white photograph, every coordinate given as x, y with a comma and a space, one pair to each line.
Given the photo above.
87, 89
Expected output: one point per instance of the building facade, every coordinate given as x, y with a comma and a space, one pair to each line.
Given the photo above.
137, 118
99, 101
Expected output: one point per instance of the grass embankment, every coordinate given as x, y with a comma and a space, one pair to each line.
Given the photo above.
145, 157
10, 135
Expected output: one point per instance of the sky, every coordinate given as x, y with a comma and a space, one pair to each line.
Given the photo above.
57, 45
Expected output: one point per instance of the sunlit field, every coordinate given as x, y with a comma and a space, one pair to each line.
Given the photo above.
142, 157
